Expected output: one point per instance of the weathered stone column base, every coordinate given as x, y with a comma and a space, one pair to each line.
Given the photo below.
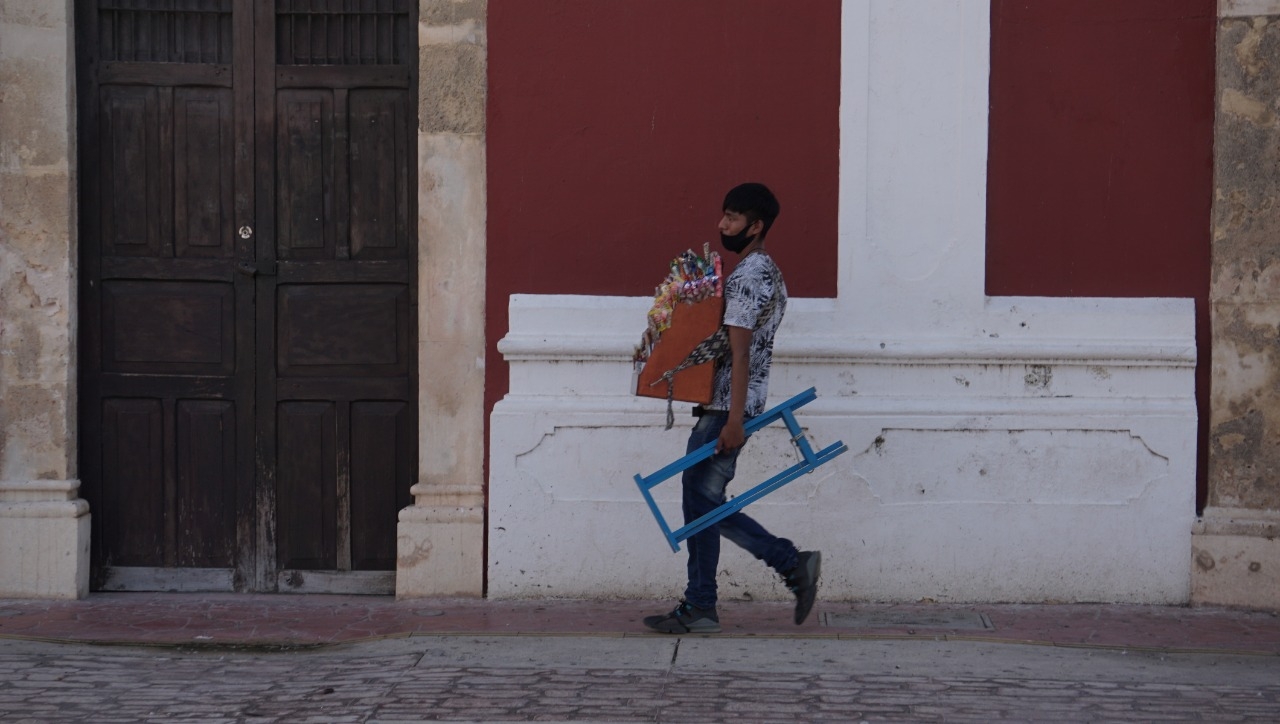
1235, 558
44, 539
440, 543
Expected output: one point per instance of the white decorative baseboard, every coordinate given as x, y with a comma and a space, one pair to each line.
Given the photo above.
1051, 458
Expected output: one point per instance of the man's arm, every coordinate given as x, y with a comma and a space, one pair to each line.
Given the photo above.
733, 436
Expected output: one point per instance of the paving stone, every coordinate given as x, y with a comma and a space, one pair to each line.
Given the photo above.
349, 686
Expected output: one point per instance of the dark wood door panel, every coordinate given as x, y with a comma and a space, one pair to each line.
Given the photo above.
205, 503
166, 171
307, 485
132, 484
344, 472
135, 209
343, 330
168, 327
382, 471
204, 177
379, 178
306, 227
169, 472
343, 174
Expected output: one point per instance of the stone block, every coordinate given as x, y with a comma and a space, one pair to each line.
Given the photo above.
452, 88
440, 543
35, 325
35, 13
1246, 254
1243, 453
44, 533
35, 422
451, 12
34, 113
451, 236
451, 412
38, 219
1235, 559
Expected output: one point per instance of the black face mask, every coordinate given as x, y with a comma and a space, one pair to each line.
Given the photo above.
738, 241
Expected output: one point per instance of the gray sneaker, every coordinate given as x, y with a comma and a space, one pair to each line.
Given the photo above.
686, 618
803, 581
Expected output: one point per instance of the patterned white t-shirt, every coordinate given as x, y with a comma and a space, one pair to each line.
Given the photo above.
746, 292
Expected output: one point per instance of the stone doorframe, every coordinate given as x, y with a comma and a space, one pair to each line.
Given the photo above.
441, 536
1236, 544
44, 524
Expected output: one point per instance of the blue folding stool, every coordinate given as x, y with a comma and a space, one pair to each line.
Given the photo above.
810, 460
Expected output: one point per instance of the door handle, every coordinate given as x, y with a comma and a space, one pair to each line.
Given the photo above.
250, 269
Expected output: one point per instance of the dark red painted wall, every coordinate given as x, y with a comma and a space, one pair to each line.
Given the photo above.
1101, 153
615, 128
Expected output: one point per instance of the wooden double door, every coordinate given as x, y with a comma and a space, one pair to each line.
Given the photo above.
248, 290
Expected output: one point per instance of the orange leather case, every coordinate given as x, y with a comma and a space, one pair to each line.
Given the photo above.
690, 324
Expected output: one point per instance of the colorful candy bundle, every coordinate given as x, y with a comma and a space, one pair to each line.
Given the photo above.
692, 278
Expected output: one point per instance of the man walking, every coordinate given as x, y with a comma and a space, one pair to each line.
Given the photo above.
755, 300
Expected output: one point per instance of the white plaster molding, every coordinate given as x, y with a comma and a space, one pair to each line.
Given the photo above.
1122, 332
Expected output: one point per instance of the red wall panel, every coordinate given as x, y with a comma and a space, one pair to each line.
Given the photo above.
1101, 152
615, 128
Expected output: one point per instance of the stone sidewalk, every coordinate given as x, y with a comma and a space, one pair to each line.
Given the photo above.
743, 680
294, 620
238, 658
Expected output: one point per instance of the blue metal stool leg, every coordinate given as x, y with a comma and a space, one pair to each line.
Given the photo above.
810, 460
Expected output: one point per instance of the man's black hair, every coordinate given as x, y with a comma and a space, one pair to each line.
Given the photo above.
754, 201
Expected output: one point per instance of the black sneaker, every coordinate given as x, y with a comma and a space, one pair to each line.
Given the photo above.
803, 581
686, 618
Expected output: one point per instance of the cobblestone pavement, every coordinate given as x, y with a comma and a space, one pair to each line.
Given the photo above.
631, 679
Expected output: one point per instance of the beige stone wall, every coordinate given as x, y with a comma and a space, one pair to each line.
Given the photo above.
441, 537
44, 526
37, 243
1244, 456
1235, 554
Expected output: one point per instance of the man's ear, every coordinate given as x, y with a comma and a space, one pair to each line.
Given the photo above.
756, 228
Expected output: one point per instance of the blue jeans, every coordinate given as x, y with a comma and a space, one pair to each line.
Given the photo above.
704, 490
